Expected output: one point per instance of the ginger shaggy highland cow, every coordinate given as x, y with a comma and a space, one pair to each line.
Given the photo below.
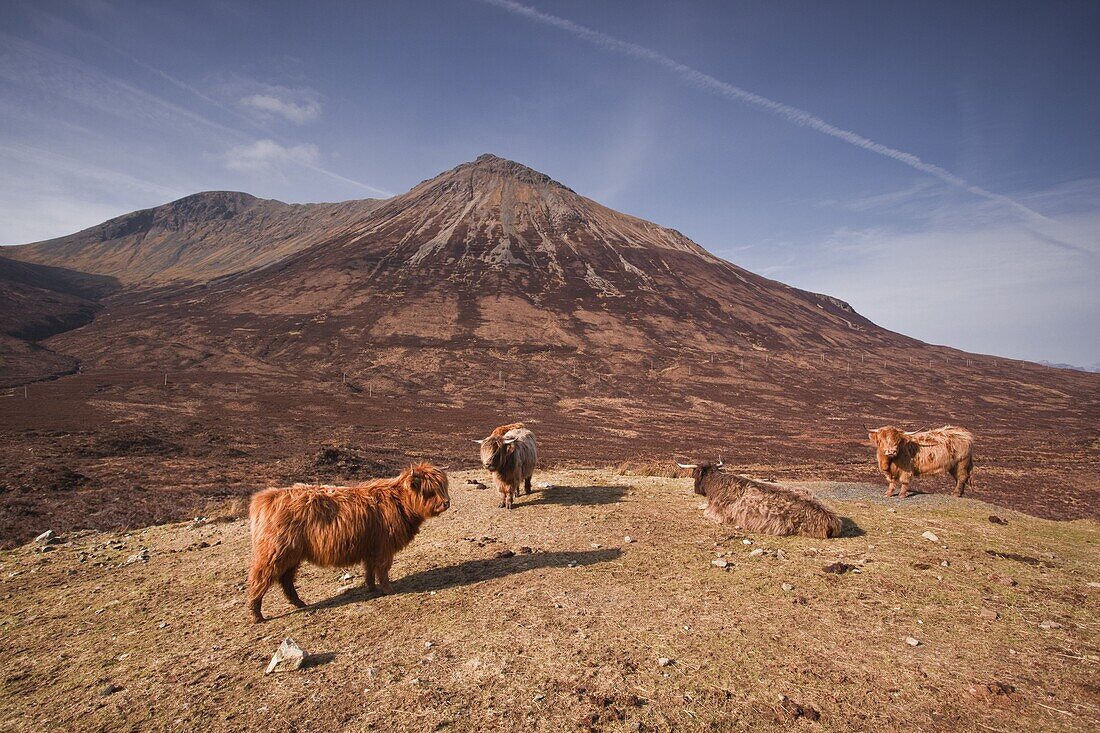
902, 455
761, 508
336, 526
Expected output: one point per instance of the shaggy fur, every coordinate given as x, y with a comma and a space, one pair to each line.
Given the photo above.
760, 508
901, 455
336, 526
510, 453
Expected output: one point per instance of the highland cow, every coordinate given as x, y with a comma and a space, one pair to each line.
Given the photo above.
902, 455
761, 508
337, 526
509, 453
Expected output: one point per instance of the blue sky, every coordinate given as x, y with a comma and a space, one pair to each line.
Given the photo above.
935, 164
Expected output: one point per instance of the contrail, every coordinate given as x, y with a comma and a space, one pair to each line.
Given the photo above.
794, 115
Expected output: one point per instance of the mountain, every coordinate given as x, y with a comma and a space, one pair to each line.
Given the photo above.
194, 239
246, 332
495, 252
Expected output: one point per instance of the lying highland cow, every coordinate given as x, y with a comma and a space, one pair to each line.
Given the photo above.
901, 455
761, 508
510, 453
336, 526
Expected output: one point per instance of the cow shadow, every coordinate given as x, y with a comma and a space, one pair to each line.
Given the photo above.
473, 571
577, 495
849, 528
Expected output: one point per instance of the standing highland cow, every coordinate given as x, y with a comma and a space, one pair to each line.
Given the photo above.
336, 526
761, 508
510, 453
902, 455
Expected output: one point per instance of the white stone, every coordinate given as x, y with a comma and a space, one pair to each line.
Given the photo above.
719, 563
911, 641
930, 536
289, 656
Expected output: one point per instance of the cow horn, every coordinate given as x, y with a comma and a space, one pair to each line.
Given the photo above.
687, 465
482, 440
509, 441
719, 464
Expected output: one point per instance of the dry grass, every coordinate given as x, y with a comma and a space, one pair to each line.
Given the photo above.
568, 635
649, 467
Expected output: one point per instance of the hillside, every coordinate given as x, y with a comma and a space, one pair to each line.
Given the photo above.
195, 239
487, 294
546, 618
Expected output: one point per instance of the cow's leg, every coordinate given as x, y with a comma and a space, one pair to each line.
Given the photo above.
368, 570
287, 581
382, 573
904, 479
508, 493
261, 576
962, 478
527, 485
892, 485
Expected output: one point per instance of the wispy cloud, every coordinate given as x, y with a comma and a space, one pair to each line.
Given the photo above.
293, 105
27, 64
791, 114
45, 159
268, 156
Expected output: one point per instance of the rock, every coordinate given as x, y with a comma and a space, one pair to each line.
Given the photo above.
505, 553
1002, 579
477, 485
930, 536
1093, 584
49, 537
838, 568
911, 641
628, 539
746, 542
198, 522
162, 624
719, 563
289, 656
664, 661
428, 645
757, 552
1050, 625
997, 520
540, 698
108, 689
780, 555
346, 577
596, 545
945, 564
989, 614
525, 550
544, 485
787, 587
141, 555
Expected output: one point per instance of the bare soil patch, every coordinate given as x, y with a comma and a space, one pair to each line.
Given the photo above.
547, 618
